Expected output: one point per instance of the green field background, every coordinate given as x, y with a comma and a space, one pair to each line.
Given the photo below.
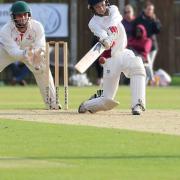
42, 151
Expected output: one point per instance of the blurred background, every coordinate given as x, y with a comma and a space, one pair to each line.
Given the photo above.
67, 20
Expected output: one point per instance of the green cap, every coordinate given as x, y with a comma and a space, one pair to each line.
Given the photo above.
20, 7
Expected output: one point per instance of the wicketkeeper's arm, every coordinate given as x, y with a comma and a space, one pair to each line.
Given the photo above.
11, 47
40, 41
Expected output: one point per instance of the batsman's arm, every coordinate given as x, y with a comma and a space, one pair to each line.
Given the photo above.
106, 37
97, 30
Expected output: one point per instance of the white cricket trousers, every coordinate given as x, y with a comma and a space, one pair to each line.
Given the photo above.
40, 76
132, 66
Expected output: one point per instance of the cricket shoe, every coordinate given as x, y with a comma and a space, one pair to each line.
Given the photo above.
56, 107
138, 108
82, 109
99, 93
53, 107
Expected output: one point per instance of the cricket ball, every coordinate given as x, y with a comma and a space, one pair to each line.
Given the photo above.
102, 60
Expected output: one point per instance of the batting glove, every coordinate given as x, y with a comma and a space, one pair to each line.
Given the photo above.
107, 42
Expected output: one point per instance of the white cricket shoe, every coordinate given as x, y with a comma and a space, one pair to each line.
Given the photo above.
137, 110
82, 109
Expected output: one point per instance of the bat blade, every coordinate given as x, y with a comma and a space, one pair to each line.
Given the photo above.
90, 57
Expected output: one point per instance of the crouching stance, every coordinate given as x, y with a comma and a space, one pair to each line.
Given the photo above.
23, 39
106, 25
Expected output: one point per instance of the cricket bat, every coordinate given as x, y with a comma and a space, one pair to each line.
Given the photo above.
90, 57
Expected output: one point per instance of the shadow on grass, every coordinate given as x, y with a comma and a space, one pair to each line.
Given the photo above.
94, 157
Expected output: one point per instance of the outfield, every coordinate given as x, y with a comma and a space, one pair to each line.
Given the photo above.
33, 150
29, 97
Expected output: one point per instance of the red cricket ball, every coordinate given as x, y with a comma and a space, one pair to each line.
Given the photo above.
102, 60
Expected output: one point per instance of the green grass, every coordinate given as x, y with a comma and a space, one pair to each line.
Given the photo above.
29, 97
48, 152
175, 80
37, 151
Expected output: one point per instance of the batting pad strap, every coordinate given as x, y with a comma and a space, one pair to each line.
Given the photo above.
100, 104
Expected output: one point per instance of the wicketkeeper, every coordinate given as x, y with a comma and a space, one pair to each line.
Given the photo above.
23, 39
106, 25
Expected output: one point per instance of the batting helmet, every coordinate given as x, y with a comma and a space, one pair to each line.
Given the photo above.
20, 7
94, 2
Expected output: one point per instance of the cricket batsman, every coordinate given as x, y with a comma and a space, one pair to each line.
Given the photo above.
106, 25
23, 39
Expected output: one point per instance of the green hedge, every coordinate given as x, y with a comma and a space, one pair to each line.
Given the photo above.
175, 81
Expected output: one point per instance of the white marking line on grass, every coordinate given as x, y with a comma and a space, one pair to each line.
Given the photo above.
20, 162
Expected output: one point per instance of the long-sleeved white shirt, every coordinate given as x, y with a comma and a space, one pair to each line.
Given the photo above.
99, 25
14, 42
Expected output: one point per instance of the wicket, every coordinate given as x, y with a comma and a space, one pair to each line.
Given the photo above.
56, 45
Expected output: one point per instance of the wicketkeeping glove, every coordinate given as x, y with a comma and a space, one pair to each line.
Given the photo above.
39, 59
29, 54
34, 57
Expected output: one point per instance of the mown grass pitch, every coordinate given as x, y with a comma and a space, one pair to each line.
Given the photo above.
31, 150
